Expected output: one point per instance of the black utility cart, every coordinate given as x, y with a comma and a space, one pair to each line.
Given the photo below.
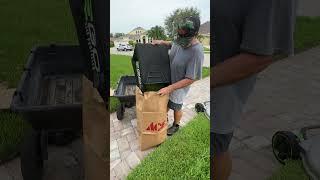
49, 94
125, 92
49, 98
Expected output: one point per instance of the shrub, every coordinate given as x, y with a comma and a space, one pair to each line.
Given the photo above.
111, 44
132, 43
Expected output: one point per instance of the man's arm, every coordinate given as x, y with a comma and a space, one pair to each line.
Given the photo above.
237, 68
167, 43
180, 84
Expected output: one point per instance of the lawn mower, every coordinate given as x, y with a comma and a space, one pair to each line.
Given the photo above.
203, 107
306, 147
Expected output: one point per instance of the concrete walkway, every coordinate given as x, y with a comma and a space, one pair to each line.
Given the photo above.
124, 148
286, 97
308, 8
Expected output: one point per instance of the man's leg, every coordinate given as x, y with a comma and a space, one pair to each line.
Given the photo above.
177, 114
222, 166
220, 159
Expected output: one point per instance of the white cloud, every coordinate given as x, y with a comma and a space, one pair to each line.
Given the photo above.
128, 14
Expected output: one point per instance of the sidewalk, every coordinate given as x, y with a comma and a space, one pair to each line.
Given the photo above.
124, 148
286, 97
309, 8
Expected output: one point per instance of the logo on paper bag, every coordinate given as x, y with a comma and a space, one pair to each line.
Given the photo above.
156, 126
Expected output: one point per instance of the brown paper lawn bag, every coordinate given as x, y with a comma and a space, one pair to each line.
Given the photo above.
152, 124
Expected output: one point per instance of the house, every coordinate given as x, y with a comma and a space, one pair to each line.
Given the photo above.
204, 31
137, 35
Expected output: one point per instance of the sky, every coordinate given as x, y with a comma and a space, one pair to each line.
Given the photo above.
128, 14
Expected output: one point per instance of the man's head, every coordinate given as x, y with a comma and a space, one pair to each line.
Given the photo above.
187, 29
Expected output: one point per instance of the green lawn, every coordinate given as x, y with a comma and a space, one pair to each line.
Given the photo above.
307, 33
120, 65
293, 170
26, 24
12, 128
206, 49
183, 156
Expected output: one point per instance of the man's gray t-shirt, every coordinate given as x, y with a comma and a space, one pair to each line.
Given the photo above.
185, 63
262, 27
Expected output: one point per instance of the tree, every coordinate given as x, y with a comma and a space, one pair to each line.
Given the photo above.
118, 35
157, 32
111, 35
176, 16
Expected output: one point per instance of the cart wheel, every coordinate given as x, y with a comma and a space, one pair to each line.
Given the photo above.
199, 107
120, 112
129, 104
31, 157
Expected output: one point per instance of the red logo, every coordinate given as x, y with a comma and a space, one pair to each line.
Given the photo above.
156, 126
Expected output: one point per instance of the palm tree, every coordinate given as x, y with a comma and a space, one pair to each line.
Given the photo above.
157, 32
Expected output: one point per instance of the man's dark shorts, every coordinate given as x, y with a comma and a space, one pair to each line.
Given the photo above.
219, 143
174, 106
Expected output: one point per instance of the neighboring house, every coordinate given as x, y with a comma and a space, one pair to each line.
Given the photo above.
205, 32
138, 35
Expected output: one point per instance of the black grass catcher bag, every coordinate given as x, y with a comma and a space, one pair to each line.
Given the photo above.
151, 65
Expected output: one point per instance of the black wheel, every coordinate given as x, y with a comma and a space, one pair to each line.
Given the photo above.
31, 156
129, 104
199, 107
285, 146
120, 112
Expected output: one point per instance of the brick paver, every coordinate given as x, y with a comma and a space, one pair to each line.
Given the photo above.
125, 153
286, 97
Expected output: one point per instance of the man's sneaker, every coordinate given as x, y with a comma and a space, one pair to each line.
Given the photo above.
174, 128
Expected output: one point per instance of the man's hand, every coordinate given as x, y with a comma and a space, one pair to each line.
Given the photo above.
180, 84
165, 91
161, 42
155, 42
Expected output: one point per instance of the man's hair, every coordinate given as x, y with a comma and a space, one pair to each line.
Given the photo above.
196, 22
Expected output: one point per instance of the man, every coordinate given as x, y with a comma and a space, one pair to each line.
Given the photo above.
246, 35
186, 58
